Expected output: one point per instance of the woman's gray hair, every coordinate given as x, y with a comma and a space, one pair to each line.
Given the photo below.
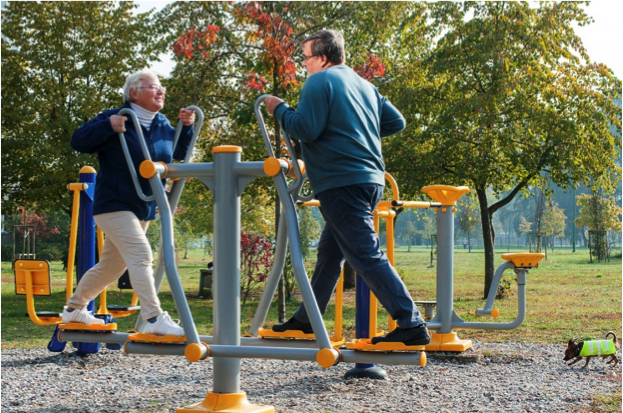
133, 81
329, 43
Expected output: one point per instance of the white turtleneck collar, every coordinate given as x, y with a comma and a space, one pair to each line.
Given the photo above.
145, 117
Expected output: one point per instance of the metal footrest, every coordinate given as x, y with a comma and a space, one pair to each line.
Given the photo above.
123, 307
365, 344
106, 328
296, 335
121, 310
47, 314
152, 338
429, 308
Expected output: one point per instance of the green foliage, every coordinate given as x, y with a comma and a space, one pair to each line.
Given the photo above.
310, 230
507, 93
468, 214
599, 215
553, 222
62, 63
505, 286
525, 226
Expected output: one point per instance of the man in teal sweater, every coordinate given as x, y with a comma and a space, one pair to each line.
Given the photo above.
339, 122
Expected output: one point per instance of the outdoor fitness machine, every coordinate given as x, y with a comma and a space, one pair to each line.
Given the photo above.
227, 177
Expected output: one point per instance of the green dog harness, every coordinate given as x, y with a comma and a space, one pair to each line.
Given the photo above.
597, 348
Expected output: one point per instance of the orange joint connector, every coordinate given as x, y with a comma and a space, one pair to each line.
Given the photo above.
149, 168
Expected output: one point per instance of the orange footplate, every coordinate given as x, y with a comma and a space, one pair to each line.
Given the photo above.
365, 344
152, 338
296, 334
110, 327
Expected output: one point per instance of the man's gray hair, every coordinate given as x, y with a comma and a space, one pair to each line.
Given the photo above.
329, 43
133, 81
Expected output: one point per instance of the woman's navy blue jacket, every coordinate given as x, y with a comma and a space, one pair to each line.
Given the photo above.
114, 190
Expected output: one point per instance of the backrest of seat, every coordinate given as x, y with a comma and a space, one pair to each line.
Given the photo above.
41, 278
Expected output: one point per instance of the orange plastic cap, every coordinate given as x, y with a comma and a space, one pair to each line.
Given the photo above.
327, 357
272, 166
87, 170
227, 149
193, 352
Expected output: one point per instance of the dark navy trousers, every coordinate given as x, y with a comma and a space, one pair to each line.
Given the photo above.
349, 233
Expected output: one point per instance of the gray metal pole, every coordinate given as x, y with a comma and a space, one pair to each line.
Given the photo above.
273, 278
296, 254
445, 268
297, 354
226, 317
167, 255
494, 288
174, 197
521, 309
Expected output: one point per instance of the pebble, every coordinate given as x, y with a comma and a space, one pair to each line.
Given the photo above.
490, 377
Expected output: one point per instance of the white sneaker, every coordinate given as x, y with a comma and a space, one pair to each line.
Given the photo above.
164, 326
81, 316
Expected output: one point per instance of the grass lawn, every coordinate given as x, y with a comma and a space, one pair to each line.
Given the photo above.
566, 297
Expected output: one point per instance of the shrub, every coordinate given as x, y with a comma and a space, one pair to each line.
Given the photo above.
50, 252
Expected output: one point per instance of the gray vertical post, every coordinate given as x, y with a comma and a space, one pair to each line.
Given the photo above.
226, 317
445, 267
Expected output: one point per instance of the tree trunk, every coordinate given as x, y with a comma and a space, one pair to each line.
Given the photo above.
488, 238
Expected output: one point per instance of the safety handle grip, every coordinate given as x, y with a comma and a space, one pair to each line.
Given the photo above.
178, 132
296, 184
126, 152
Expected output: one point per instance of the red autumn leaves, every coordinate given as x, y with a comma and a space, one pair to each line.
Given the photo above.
277, 43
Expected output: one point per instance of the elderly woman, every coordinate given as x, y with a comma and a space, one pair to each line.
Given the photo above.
117, 208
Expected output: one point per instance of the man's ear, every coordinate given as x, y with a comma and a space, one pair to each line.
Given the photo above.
325, 61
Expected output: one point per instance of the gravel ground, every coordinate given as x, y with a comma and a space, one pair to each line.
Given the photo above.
509, 377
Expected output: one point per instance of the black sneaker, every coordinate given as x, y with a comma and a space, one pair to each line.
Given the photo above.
416, 336
293, 324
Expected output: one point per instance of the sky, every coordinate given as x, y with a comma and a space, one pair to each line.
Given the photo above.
600, 38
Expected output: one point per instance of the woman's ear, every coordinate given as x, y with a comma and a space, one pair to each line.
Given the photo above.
134, 93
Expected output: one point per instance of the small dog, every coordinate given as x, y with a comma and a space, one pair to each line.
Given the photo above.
578, 350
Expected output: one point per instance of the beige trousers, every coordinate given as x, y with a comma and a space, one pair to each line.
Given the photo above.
126, 246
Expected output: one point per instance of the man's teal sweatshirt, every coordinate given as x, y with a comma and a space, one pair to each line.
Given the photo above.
339, 122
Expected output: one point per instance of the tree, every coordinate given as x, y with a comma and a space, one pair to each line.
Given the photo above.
255, 261
507, 93
184, 232
525, 227
553, 222
468, 218
599, 215
539, 212
254, 51
62, 63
